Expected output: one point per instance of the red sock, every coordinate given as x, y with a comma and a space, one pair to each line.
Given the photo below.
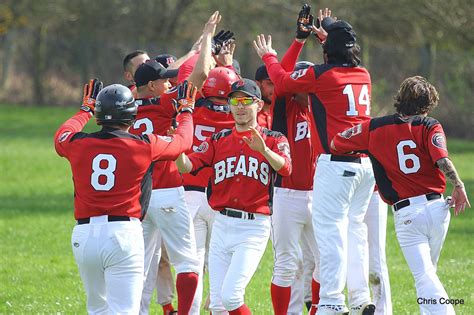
314, 296
280, 299
167, 308
186, 284
242, 310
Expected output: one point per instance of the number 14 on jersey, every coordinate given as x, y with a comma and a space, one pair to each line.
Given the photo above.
363, 100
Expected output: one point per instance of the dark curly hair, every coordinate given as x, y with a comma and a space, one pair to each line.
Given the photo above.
416, 96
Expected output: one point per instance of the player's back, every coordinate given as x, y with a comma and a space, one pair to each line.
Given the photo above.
341, 100
155, 115
404, 152
108, 167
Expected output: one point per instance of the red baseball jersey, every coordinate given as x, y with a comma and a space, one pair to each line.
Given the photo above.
241, 177
294, 121
403, 150
264, 119
155, 115
339, 95
208, 119
108, 166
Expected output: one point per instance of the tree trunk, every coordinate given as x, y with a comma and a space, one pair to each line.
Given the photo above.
39, 53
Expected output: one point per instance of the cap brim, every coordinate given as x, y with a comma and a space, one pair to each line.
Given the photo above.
170, 74
245, 92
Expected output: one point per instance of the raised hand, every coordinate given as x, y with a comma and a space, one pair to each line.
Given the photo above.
91, 90
186, 97
304, 22
263, 46
220, 39
255, 142
211, 24
226, 55
323, 21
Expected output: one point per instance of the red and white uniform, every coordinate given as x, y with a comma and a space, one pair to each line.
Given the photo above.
404, 152
339, 97
108, 167
292, 200
208, 119
168, 218
240, 185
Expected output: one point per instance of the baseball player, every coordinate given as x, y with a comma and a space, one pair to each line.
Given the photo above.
292, 200
339, 94
168, 216
410, 160
264, 117
212, 115
131, 62
243, 161
108, 167
376, 221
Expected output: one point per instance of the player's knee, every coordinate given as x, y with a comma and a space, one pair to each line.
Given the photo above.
284, 279
231, 301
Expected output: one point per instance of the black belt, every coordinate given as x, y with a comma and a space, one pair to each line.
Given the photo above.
345, 158
238, 214
194, 188
110, 218
406, 202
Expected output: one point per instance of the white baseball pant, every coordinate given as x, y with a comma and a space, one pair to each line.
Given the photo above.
376, 220
341, 196
159, 276
203, 217
295, 307
309, 265
421, 229
236, 248
168, 218
110, 258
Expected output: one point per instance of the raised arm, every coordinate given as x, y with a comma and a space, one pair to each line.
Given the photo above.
204, 62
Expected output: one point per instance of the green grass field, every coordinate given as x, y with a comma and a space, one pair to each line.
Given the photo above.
37, 269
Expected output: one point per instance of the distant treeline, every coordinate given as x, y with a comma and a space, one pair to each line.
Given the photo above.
48, 48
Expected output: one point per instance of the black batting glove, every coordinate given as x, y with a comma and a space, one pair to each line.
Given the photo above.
304, 23
219, 40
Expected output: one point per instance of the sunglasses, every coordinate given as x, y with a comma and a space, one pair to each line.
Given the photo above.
246, 101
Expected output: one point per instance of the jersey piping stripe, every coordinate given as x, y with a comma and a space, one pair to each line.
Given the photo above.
319, 113
383, 182
146, 186
396, 119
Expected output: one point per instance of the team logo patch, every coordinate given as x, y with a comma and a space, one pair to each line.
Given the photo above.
284, 147
166, 138
203, 147
64, 136
439, 141
298, 74
354, 131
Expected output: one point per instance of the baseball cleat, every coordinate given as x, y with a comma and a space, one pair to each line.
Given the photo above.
363, 309
332, 310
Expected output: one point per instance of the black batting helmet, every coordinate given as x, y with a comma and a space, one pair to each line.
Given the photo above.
115, 105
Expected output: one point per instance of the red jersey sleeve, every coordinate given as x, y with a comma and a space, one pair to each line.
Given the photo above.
282, 148
301, 81
291, 56
169, 148
436, 143
203, 155
352, 139
187, 67
73, 125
